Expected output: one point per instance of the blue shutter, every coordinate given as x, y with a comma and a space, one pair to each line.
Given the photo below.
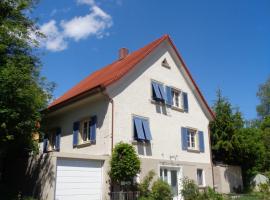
76, 126
45, 144
139, 133
201, 141
184, 134
93, 128
57, 139
185, 101
169, 100
156, 92
146, 129
161, 90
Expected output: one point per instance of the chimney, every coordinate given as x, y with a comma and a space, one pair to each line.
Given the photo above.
123, 52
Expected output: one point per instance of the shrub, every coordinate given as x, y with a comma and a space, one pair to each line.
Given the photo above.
144, 187
125, 163
161, 191
190, 190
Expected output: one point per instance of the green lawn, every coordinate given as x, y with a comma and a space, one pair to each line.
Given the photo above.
254, 196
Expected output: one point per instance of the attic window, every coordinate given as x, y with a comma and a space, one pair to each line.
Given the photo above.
166, 64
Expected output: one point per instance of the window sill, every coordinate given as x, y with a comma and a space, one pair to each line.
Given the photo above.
157, 102
51, 150
193, 150
135, 142
85, 144
177, 109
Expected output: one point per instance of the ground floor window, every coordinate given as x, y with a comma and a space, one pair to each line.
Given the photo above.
170, 175
200, 177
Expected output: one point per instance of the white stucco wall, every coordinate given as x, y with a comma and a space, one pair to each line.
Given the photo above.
132, 96
95, 105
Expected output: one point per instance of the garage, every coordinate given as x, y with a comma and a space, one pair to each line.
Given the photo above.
78, 179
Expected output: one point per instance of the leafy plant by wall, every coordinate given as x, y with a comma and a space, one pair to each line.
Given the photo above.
125, 163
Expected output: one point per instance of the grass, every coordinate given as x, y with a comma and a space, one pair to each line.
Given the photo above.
251, 196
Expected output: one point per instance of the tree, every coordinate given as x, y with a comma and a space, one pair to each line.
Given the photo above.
223, 129
23, 92
263, 109
125, 163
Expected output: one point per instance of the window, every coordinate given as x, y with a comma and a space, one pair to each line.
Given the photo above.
52, 140
176, 100
141, 129
200, 177
191, 137
84, 131
158, 93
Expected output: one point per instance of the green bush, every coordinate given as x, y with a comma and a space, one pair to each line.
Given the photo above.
125, 163
161, 191
144, 186
191, 191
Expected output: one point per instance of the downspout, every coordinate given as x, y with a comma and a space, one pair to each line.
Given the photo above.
211, 157
112, 124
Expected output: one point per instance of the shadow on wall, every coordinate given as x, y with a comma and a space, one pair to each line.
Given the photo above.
26, 176
233, 176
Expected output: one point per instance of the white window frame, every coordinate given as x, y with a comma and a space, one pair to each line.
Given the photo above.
192, 134
174, 91
203, 177
81, 131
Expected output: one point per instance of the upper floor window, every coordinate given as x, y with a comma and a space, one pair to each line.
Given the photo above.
176, 98
192, 139
141, 129
84, 131
158, 93
169, 95
52, 140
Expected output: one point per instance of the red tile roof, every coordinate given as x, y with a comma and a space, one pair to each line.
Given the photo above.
113, 72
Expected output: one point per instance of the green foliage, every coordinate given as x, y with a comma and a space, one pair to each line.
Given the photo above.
223, 129
161, 191
23, 92
263, 109
190, 191
234, 143
125, 163
144, 186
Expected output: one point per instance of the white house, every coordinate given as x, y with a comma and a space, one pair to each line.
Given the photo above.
147, 98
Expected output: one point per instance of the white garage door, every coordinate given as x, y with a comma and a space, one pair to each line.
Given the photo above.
78, 180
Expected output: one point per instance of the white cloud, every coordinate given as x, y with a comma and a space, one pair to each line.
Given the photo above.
87, 2
82, 27
54, 40
95, 23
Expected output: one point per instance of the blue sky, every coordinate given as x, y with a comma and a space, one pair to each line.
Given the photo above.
225, 43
